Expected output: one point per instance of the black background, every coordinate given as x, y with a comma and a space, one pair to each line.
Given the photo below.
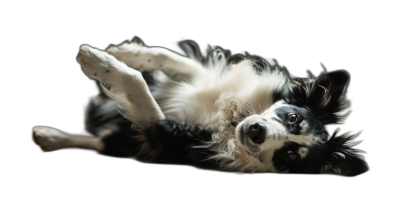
55, 91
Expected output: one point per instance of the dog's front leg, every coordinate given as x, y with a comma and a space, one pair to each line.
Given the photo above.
126, 85
138, 56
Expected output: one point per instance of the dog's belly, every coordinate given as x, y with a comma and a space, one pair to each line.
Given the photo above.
190, 105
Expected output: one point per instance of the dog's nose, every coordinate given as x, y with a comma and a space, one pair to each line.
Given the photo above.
257, 132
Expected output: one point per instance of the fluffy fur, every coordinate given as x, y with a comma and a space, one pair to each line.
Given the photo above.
228, 112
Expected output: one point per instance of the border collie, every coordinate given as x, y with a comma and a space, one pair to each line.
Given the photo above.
227, 112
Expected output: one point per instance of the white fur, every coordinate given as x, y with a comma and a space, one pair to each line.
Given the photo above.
177, 67
51, 139
128, 87
303, 152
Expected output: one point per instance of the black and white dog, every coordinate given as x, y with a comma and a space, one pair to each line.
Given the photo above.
228, 112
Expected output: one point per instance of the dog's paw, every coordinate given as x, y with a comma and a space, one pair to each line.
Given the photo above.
98, 64
131, 53
49, 139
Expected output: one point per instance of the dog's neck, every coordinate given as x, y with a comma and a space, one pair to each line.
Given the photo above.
232, 155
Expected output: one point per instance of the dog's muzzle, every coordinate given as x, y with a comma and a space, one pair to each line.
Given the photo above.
255, 130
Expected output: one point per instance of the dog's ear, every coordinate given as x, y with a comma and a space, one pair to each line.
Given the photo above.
191, 49
328, 94
341, 157
336, 82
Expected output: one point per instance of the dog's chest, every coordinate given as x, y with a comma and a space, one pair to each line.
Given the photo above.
215, 99
199, 105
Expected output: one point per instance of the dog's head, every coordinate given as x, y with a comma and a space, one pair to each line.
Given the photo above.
290, 136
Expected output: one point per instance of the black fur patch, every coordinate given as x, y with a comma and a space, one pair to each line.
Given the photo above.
283, 112
311, 164
122, 143
177, 143
170, 141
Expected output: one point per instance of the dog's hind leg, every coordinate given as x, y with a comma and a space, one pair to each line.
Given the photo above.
138, 56
50, 139
126, 86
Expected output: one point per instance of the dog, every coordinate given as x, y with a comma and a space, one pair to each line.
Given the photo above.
221, 111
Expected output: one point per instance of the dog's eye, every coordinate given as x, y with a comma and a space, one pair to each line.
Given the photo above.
293, 118
292, 156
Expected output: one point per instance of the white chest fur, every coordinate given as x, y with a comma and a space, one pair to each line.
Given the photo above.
214, 97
